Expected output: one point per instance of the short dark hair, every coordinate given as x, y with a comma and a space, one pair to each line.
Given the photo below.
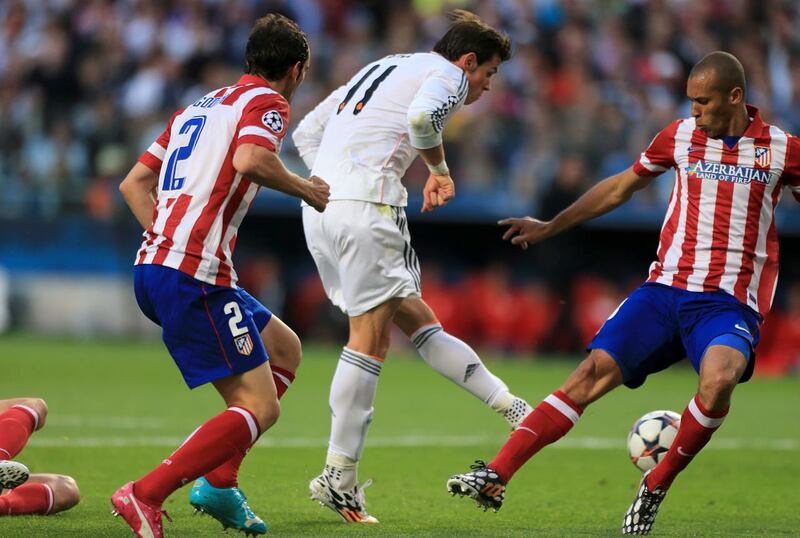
468, 33
727, 69
275, 44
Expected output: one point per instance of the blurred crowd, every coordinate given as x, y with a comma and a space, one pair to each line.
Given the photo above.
501, 314
85, 85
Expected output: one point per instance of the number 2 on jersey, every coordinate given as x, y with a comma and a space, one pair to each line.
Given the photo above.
367, 94
195, 124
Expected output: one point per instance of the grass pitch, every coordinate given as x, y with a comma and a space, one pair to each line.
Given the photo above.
119, 408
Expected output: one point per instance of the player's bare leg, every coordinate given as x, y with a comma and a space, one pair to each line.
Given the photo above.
252, 407
456, 360
217, 493
720, 371
352, 394
550, 421
42, 494
19, 418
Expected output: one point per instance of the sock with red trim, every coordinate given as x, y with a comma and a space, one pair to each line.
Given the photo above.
227, 474
546, 424
17, 424
30, 498
697, 426
218, 440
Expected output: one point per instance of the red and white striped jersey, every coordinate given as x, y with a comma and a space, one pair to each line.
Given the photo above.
719, 231
202, 199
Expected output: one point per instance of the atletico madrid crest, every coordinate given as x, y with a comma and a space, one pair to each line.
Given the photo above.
244, 344
763, 156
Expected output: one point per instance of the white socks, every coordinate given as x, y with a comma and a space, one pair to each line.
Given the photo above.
456, 361
352, 393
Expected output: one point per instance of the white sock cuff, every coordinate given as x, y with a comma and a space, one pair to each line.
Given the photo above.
283, 378
360, 360
421, 335
33, 413
51, 500
249, 419
563, 408
702, 418
340, 460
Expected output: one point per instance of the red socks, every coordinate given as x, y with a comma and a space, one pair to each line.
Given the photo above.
227, 474
16, 426
224, 436
548, 423
283, 379
30, 498
697, 426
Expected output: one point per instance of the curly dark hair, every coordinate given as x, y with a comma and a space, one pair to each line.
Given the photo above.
275, 44
468, 33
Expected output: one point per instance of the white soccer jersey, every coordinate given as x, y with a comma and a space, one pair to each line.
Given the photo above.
358, 139
202, 199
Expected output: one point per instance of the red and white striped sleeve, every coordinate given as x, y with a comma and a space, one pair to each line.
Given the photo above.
154, 155
659, 155
791, 170
264, 121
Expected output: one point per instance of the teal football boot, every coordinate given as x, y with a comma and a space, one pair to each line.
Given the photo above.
226, 505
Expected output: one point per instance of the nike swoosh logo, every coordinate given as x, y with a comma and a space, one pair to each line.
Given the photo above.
689, 150
682, 453
737, 326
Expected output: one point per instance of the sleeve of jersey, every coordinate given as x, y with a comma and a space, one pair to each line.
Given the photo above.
435, 102
154, 155
264, 121
659, 155
791, 171
308, 134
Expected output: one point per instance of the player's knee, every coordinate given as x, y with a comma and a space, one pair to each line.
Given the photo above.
40, 406
288, 352
267, 414
583, 384
65, 493
718, 382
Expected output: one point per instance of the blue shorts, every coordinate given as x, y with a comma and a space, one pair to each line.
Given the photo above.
658, 325
211, 331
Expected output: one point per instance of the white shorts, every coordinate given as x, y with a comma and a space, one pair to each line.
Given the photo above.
363, 253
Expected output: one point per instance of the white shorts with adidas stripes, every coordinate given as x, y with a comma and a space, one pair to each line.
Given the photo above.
363, 253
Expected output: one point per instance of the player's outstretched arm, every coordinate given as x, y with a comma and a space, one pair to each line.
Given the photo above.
138, 188
264, 167
607, 195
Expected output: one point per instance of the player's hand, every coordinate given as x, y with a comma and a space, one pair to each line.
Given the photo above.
437, 192
317, 193
525, 230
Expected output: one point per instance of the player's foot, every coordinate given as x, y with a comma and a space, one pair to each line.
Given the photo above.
516, 412
348, 504
145, 520
641, 515
12, 474
226, 505
482, 484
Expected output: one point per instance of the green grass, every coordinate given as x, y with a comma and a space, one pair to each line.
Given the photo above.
118, 408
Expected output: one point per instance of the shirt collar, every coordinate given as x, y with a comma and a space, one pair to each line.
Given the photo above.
252, 79
756, 126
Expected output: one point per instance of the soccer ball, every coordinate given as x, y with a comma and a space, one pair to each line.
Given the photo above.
651, 437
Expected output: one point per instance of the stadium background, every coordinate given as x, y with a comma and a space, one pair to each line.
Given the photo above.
86, 85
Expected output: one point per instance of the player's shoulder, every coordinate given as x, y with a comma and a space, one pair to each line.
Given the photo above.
262, 96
